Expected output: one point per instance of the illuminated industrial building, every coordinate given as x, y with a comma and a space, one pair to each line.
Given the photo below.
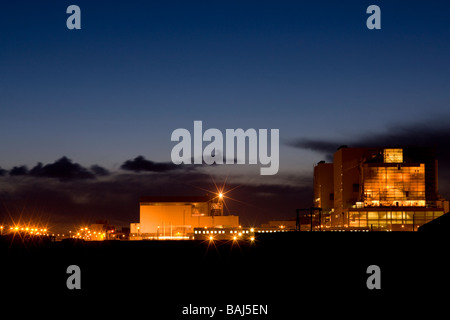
176, 217
378, 189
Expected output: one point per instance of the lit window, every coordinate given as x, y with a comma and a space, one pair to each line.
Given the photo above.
393, 155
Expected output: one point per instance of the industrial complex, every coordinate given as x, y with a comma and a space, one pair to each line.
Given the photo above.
363, 189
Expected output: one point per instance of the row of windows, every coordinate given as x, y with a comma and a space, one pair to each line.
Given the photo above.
219, 231
364, 219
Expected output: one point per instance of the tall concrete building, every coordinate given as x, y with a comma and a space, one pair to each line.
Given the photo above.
379, 188
324, 188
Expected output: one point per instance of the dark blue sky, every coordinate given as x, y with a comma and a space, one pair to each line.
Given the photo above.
137, 70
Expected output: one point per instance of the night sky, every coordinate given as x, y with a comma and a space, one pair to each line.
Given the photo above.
86, 115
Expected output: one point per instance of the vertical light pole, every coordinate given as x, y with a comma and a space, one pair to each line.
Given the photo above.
221, 203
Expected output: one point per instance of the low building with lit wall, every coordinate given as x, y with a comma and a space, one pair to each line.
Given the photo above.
379, 189
176, 217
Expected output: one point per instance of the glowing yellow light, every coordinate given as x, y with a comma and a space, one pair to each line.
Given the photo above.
220, 195
211, 238
252, 238
234, 238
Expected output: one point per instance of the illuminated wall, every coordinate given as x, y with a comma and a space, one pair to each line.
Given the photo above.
393, 185
393, 155
172, 219
346, 179
323, 186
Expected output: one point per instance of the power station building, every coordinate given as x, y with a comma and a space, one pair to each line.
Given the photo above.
176, 217
378, 189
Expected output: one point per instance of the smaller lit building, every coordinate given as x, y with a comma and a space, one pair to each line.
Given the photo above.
176, 217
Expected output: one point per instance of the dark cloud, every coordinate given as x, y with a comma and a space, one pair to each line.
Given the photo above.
314, 145
18, 171
63, 169
139, 164
427, 134
99, 171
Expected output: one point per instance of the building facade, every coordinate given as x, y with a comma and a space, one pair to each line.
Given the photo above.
176, 217
379, 188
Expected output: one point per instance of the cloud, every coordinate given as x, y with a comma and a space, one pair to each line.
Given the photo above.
99, 171
63, 169
321, 146
429, 133
139, 164
18, 171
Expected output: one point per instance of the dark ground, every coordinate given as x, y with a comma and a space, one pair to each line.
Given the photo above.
295, 274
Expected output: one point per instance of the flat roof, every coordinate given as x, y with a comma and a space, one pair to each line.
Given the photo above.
175, 199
